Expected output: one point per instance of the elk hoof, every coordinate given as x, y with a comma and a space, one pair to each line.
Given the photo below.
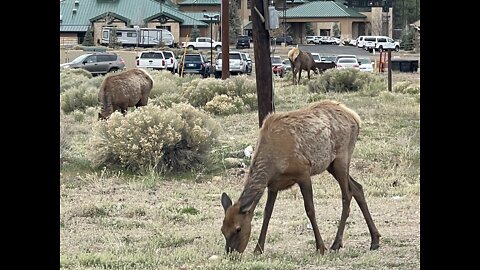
321, 249
258, 250
375, 242
336, 245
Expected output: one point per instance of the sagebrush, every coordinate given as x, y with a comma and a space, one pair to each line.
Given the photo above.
167, 140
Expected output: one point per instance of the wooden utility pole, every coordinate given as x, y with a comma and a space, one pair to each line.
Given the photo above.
389, 70
225, 40
263, 64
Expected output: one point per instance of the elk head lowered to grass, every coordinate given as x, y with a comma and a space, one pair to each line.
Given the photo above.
301, 60
292, 147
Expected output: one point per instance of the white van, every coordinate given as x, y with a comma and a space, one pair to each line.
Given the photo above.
380, 43
359, 41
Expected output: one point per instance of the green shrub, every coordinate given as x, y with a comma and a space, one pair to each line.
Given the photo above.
200, 91
406, 87
73, 77
78, 98
413, 88
65, 139
374, 87
239, 90
166, 140
340, 80
250, 101
225, 105
164, 82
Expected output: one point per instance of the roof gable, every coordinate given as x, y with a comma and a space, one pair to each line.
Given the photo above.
325, 9
201, 2
133, 12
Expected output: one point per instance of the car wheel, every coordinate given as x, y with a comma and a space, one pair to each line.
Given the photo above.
397, 49
190, 47
218, 47
113, 70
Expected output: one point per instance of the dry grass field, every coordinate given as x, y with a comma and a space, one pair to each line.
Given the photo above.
116, 220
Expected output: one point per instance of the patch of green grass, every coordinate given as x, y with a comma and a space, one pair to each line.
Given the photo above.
189, 210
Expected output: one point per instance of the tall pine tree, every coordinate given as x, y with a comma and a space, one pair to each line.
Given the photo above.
88, 39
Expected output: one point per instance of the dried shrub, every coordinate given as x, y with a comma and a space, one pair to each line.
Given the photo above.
168, 140
342, 80
225, 105
79, 98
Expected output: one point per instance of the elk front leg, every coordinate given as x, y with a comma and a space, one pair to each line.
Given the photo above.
272, 196
307, 193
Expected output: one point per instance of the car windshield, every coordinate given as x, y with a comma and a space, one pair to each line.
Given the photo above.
316, 57
193, 58
347, 60
168, 54
80, 58
364, 61
154, 55
276, 60
328, 58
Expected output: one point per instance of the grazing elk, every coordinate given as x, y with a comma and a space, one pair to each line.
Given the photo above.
292, 147
301, 60
123, 90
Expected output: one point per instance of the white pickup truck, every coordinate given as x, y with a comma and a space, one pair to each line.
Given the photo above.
151, 60
202, 43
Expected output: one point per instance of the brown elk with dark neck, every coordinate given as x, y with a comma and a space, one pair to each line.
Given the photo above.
301, 60
292, 147
127, 89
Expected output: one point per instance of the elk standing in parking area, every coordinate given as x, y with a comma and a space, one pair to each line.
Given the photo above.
292, 147
301, 60
123, 90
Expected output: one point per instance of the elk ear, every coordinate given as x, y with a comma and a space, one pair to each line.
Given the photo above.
226, 201
247, 208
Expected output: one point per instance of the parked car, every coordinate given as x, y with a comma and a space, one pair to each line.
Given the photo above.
328, 58
236, 63
316, 57
380, 43
97, 63
344, 56
312, 39
277, 66
359, 41
287, 65
329, 40
345, 63
287, 39
151, 60
366, 64
195, 63
171, 60
243, 42
248, 60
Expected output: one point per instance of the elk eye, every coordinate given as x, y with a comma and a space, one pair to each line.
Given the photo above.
239, 229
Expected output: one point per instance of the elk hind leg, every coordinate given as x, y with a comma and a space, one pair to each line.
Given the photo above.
339, 169
359, 196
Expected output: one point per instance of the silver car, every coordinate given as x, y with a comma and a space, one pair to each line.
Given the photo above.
97, 63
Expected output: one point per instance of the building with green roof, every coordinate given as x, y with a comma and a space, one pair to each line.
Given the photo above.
76, 16
344, 18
